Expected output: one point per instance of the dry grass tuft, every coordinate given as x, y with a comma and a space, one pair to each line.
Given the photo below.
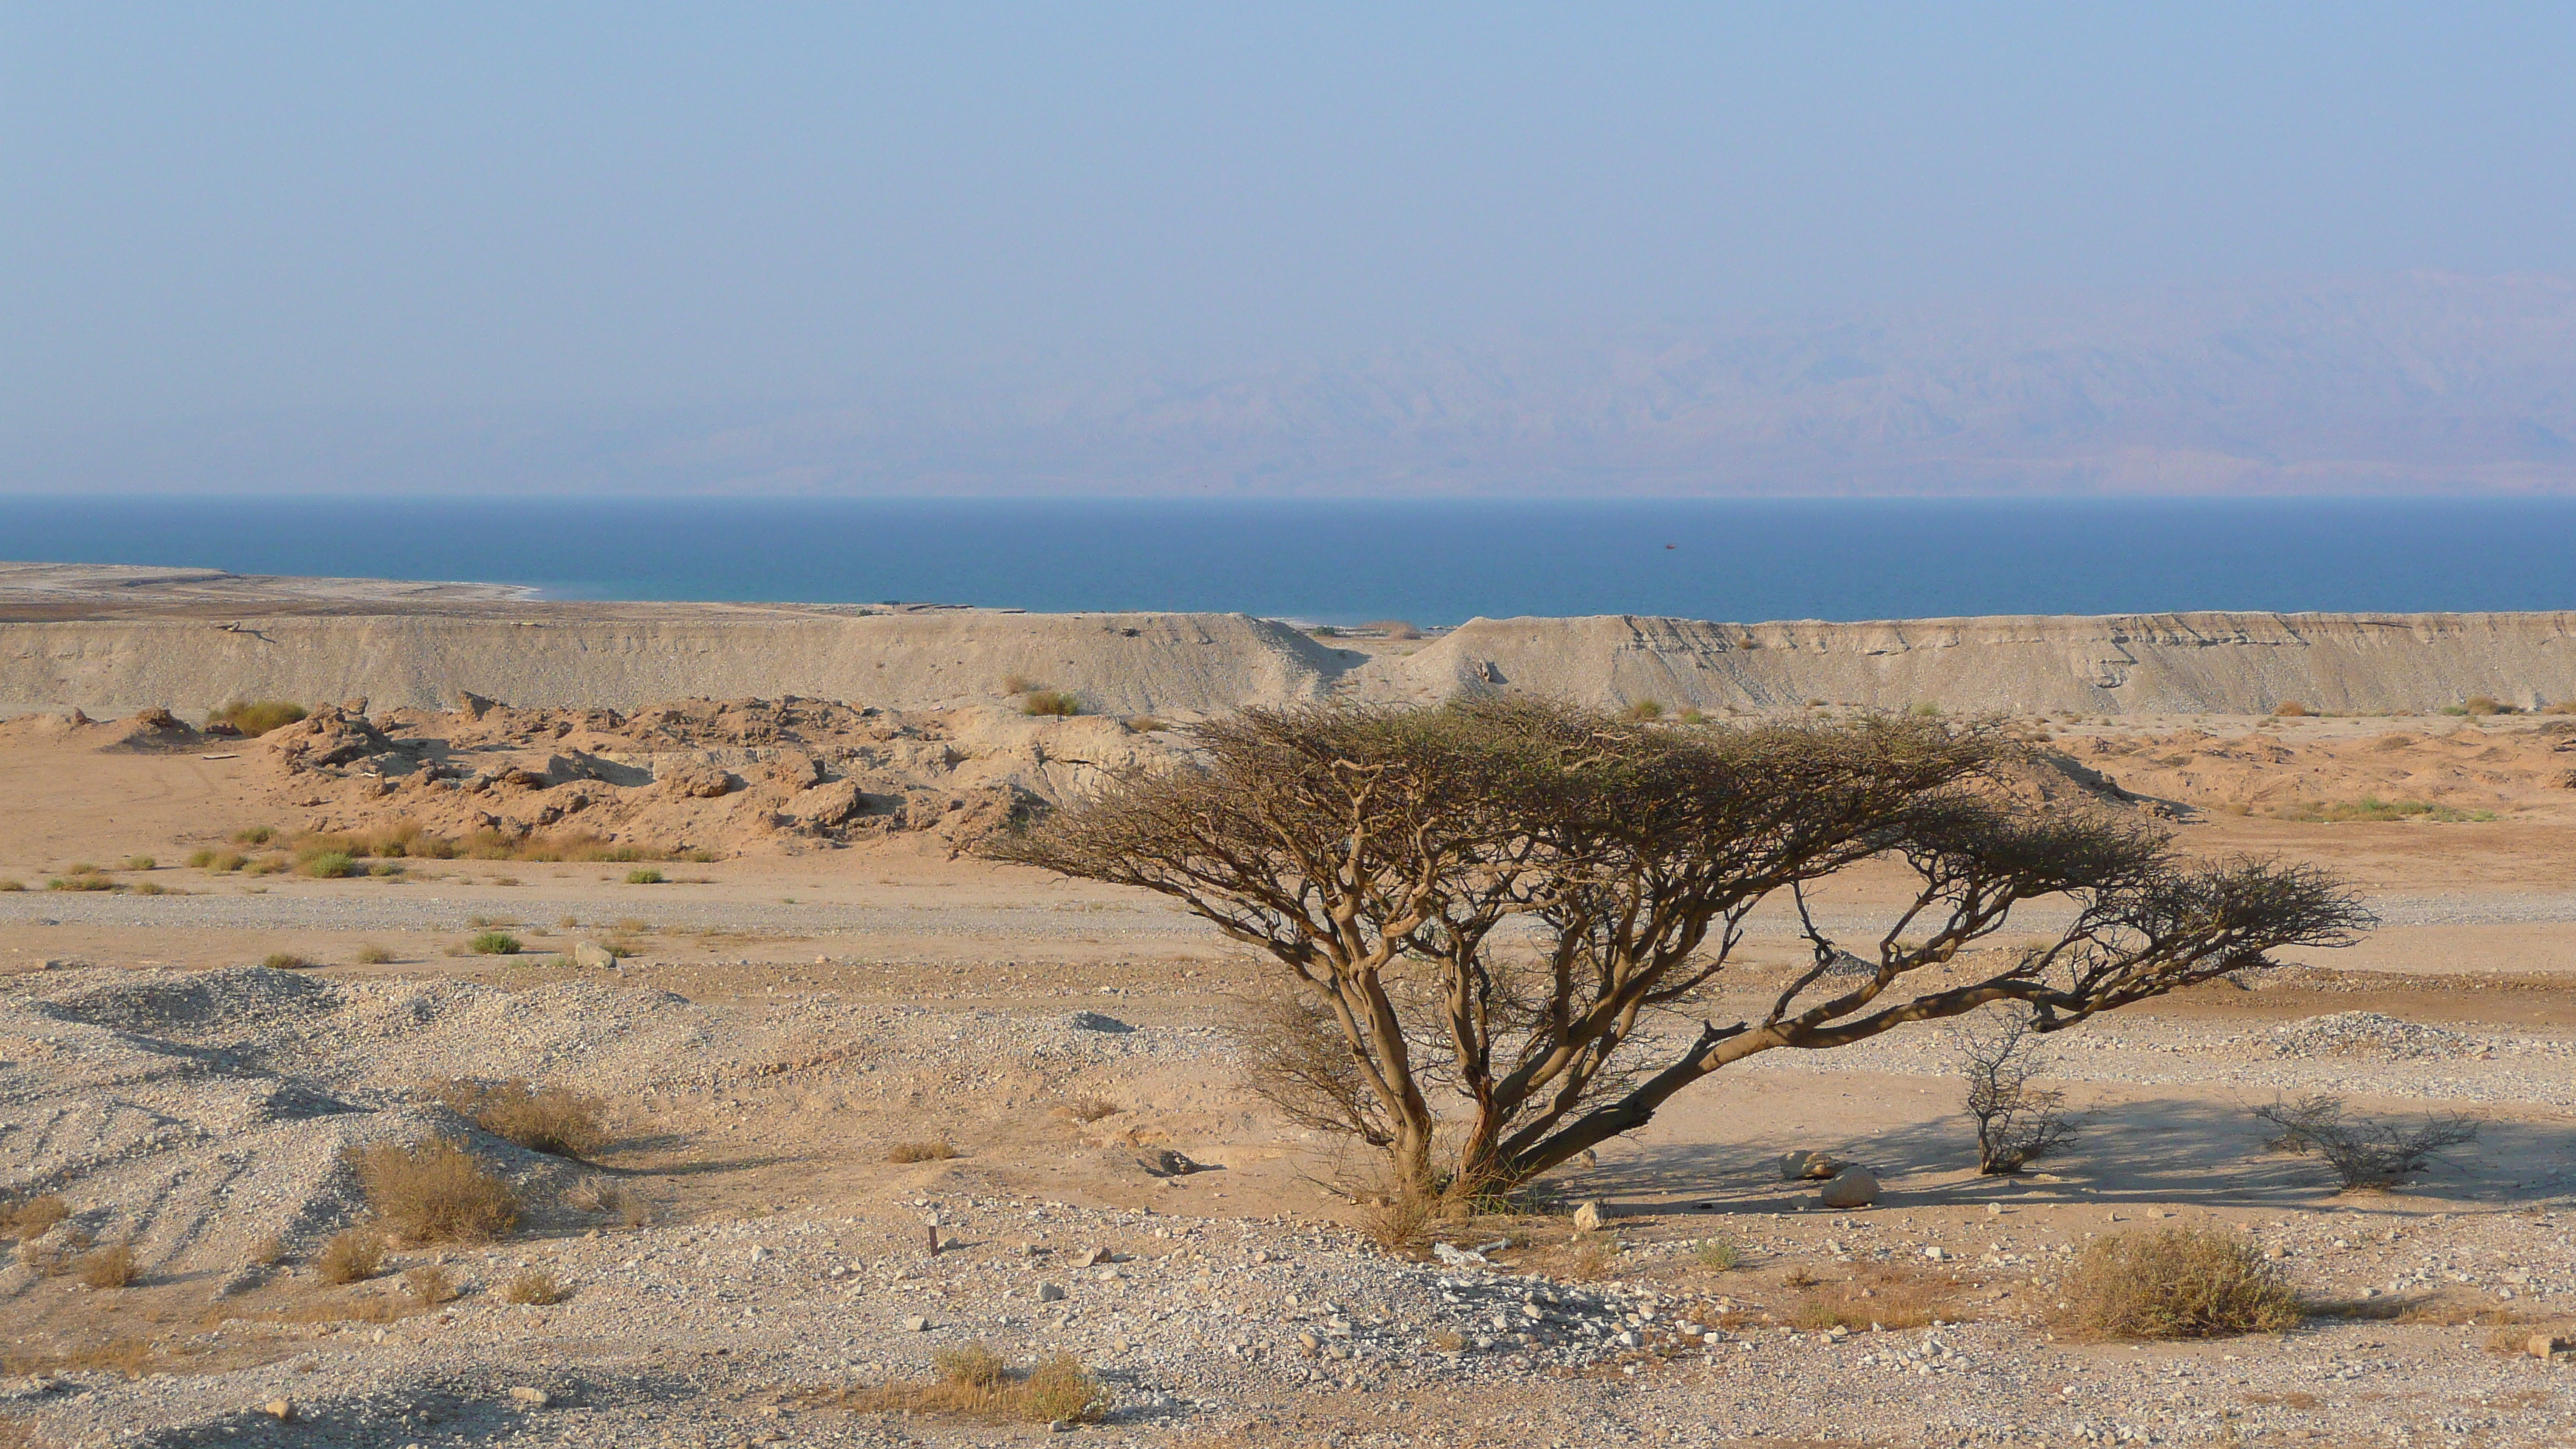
2290, 709
1592, 1256
975, 1382
1718, 1255
2177, 1283
602, 1195
352, 1256
1087, 1110
113, 1266
33, 1217
435, 1192
1059, 702
1887, 1296
268, 1252
554, 1120
533, 1289
429, 1285
254, 717
936, 1150
132, 1357
372, 956
286, 961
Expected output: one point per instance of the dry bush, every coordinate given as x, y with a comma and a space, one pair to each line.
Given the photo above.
251, 718
132, 1357
554, 1120
933, 1150
429, 1285
285, 961
493, 943
2290, 709
645, 875
435, 1191
33, 1217
532, 1289
1087, 1110
975, 1382
1060, 702
268, 1252
1646, 709
2366, 1155
2017, 1123
373, 956
141, 862
2177, 1283
352, 1256
113, 1266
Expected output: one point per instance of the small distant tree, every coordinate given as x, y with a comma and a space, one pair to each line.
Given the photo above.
1491, 911
2017, 1123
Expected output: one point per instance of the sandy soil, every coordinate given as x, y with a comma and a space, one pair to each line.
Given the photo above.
795, 1007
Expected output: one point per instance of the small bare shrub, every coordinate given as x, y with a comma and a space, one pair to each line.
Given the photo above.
2366, 1155
435, 1191
1593, 1256
2290, 709
930, 1150
352, 1256
2017, 1123
553, 1120
595, 1194
33, 1217
429, 1285
113, 1266
533, 1289
2177, 1283
373, 956
285, 961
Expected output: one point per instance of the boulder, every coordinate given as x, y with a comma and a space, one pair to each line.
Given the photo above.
592, 956
1587, 1217
1807, 1166
696, 782
1850, 1188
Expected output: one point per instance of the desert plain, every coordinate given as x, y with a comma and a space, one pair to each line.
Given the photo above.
867, 1101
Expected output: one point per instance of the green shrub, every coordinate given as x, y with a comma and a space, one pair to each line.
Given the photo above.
255, 835
494, 943
646, 876
255, 717
331, 865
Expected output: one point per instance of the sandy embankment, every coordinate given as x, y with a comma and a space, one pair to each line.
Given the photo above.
187, 640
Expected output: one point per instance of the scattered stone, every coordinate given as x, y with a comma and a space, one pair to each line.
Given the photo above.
2542, 1345
1807, 1166
1587, 1217
533, 1398
1050, 1293
1850, 1188
1090, 1256
916, 1324
282, 1410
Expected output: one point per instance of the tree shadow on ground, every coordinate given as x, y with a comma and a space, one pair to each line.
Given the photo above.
2164, 1151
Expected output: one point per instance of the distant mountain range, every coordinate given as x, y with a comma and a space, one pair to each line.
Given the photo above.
2408, 383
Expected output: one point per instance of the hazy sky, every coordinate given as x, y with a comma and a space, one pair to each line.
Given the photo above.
212, 208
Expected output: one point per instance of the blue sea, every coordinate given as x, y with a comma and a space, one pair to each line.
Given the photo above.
1341, 561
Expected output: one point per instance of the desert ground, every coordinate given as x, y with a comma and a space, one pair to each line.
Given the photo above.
766, 946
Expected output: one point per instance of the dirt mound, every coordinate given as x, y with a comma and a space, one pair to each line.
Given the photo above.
694, 776
196, 1114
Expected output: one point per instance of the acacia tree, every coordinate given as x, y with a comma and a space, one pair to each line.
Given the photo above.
1502, 916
